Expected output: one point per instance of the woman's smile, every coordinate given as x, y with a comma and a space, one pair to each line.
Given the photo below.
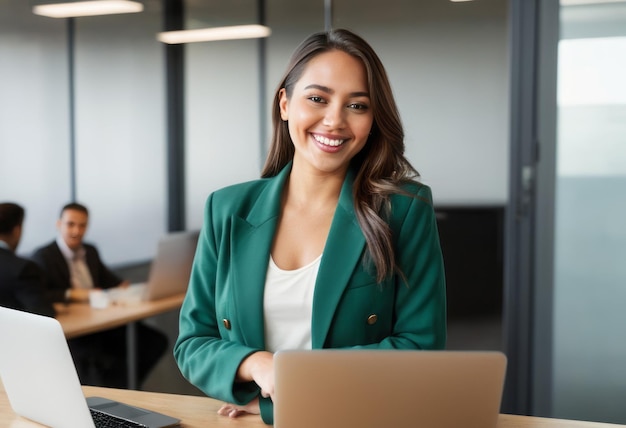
329, 144
328, 141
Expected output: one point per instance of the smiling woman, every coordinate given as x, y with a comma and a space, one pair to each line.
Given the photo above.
331, 118
335, 247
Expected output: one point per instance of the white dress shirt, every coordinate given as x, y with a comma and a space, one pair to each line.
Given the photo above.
80, 277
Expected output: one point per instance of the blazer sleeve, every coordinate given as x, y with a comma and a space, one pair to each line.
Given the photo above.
204, 358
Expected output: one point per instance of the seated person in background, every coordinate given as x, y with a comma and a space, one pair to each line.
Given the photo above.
73, 268
21, 281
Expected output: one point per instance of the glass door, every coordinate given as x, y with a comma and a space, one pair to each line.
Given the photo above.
589, 242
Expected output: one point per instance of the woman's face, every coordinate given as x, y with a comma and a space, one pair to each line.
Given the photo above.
329, 113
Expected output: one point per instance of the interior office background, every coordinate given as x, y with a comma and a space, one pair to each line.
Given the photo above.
450, 68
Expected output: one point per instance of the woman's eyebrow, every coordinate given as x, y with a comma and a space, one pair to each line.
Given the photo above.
332, 91
321, 88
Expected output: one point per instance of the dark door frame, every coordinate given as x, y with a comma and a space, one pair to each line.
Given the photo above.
534, 35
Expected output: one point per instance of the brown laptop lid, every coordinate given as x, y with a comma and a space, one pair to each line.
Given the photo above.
374, 389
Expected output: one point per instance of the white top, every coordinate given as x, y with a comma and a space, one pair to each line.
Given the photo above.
288, 306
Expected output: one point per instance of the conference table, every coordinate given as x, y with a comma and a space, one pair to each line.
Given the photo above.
201, 412
79, 319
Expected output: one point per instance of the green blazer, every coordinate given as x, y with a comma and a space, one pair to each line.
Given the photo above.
221, 319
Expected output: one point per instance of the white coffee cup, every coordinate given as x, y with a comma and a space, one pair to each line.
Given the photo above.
99, 299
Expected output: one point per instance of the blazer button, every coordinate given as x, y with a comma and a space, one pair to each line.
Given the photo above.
226, 323
371, 320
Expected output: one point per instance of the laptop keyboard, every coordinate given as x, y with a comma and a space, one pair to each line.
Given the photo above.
105, 420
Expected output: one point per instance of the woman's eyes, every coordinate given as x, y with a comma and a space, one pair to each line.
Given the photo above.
358, 106
355, 106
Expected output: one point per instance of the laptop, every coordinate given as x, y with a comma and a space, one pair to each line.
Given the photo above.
169, 271
388, 388
41, 382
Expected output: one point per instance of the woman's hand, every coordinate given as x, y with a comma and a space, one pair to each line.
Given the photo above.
259, 367
233, 410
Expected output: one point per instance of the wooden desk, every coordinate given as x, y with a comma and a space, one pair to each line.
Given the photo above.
79, 319
201, 412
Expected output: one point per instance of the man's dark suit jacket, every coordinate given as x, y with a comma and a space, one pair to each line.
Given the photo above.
22, 285
54, 264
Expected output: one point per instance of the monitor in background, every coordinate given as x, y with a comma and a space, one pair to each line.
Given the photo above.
171, 268
169, 271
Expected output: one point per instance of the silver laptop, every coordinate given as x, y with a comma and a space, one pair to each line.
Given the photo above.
169, 271
388, 388
41, 382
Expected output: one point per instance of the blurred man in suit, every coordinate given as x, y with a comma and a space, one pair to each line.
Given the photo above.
21, 281
73, 269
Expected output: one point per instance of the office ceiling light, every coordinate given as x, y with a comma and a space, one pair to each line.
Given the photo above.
213, 34
72, 9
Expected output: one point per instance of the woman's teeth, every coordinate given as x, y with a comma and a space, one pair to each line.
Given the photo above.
328, 141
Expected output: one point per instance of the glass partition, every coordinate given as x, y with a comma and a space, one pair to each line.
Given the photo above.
589, 350
222, 120
120, 133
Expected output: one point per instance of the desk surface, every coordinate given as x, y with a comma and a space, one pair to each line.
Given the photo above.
78, 319
201, 412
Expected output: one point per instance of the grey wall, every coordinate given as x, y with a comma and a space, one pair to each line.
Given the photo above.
34, 137
120, 132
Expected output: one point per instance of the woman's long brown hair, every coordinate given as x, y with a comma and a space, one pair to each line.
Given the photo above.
381, 166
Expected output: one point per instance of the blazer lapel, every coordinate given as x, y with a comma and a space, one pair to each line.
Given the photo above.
342, 253
251, 242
